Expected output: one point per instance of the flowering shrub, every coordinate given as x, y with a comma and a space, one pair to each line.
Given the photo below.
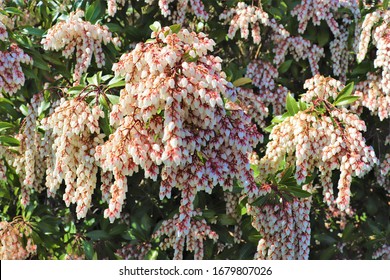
228, 130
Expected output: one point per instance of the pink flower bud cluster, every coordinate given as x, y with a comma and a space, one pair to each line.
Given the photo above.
11, 73
365, 34
74, 126
29, 163
198, 231
134, 251
196, 7
263, 75
299, 48
328, 141
12, 246
382, 253
86, 38
172, 114
243, 15
373, 96
285, 230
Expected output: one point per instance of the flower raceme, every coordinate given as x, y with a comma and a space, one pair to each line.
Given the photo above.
175, 118
331, 137
82, 36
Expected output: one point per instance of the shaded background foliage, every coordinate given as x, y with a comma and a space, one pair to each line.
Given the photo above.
56, 231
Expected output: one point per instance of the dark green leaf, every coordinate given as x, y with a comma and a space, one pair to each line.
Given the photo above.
98, 235
226, 220
283, 68
298, 192
323, 36
260, 201
94, 11
88, 250
5, 125
34, 31
13, 10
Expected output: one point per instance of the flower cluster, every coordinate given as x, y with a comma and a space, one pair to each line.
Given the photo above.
300, 48
134, 251
12, 235
328, 141
340, 53
243, 15
86, 38
375, 91
384, 169
373, 96
11, 73
263, 75
75, 132
198, 231
183, 6
285, 230
29, 163
175, 112
316, 10
3, 32
382, 253
231, 200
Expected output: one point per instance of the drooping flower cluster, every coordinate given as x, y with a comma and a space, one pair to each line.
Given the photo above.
3, 32
29, 163
375, 91
75, 35
263, 75
300, 48
373, 96
328, 141
172, 114
384, 169
231, 200
12, 235
382, 253
285, 230
75, 132
182, 7
134, 251
243, 15
11, 73
198, 231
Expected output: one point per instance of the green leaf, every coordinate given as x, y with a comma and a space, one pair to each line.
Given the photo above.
117, 230
286, 175
9, 141
298, 192
88, 250
385, 4
13, 10
346, 91
34, 31
226, 220
121, 83
346, 100
260, 201
5, 125
292, 105
24, 109
241, 81
283, 68
93, 11
98, 235
75, 90
156, 26
323, 36
303, 105
114, 99
4, 192
175, 28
